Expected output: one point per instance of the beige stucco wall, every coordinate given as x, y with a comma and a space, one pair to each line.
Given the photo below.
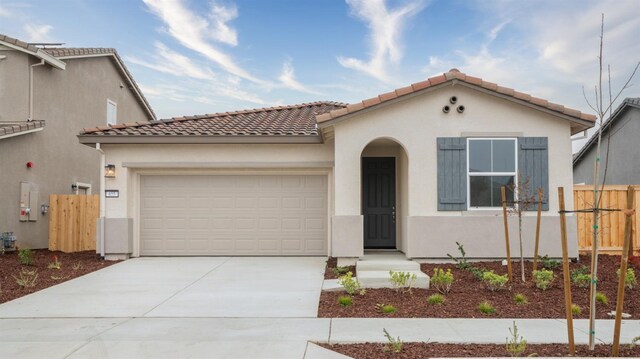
67, 100
415, 123
203, 160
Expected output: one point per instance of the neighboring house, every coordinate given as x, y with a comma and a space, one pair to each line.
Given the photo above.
623, 127
46, 94
326, 178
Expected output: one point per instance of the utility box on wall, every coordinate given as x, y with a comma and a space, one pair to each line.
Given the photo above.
29, 204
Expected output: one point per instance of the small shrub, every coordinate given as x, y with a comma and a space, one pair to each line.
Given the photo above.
478, 273
55, 264
441, 280
394, 344
350, 284
401, 280
486, 308
575, 309
630, 280
77, 266
27, 278
602, 298
548, 263
577, 272
435, 299
543, 278
520, 299
461, 262
494, 282
386, 308
345, 300
26, 256
516, 345
582, 280
340, 271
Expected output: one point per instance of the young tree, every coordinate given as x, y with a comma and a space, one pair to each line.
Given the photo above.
523, 200
602, 111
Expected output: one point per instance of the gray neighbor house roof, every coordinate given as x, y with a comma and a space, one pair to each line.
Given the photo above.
622, 108
55, 57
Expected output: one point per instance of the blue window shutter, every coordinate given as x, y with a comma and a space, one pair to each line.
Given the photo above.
533, 163
452, 173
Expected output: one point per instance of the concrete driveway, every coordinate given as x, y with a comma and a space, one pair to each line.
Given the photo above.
173, 307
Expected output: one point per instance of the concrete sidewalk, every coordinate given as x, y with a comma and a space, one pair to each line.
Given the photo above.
261, 337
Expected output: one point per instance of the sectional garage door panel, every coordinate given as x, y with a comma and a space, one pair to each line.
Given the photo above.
233, 215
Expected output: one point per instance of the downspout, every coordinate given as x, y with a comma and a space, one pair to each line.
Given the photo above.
103, 204
30, 118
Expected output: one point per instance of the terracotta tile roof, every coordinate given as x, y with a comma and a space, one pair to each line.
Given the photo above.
454, 75
292, 120
79, 51
18, 43
14, 128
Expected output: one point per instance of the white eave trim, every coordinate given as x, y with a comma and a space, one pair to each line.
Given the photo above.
20, 133
41, 54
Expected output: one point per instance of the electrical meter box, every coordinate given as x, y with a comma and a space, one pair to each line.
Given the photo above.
29, 205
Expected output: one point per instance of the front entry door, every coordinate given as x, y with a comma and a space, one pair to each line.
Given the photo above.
379, 201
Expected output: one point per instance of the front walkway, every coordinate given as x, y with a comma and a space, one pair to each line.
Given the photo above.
224, 308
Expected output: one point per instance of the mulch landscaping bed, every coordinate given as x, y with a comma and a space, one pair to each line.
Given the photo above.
467, 292
332, 264
435, 350
73, 265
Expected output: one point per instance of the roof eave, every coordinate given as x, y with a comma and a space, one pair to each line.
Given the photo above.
581, 123
167, 139
20, 133
39, 53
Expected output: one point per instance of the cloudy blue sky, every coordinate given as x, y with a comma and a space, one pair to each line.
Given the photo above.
203, 56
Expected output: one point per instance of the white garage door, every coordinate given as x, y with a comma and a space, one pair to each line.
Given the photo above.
233, 215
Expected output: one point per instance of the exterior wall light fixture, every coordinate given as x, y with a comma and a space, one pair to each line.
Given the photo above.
110, 171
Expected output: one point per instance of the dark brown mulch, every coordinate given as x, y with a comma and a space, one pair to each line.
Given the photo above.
427, 350
85, 262
467, 292
332, 263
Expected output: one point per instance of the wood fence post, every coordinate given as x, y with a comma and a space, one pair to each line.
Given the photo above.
565, 272
535, 252
503, 191
623, 270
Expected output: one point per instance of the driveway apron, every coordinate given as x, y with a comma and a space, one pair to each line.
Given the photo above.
209, 307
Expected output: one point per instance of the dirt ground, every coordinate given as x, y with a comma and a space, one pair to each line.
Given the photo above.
467, 292
72, 265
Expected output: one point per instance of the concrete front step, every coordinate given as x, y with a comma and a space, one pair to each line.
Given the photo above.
381, 279
387, 265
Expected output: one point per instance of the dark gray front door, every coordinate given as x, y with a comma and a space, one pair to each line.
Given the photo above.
379, 201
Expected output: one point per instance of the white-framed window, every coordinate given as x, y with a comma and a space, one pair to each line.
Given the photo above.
491, 164
112, 112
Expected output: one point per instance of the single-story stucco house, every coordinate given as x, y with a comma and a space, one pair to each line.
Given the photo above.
416, 170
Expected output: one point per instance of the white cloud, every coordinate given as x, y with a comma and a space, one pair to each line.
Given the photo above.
193, 31
220, 15
288, 79
171, 62
37, 33
385, 26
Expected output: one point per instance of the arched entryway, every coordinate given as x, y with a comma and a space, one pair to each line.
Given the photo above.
384, 194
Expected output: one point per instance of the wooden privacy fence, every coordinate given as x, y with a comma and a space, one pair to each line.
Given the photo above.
611, 223
72, 222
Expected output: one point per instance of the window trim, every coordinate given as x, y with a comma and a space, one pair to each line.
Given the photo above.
486, 174
115, 106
